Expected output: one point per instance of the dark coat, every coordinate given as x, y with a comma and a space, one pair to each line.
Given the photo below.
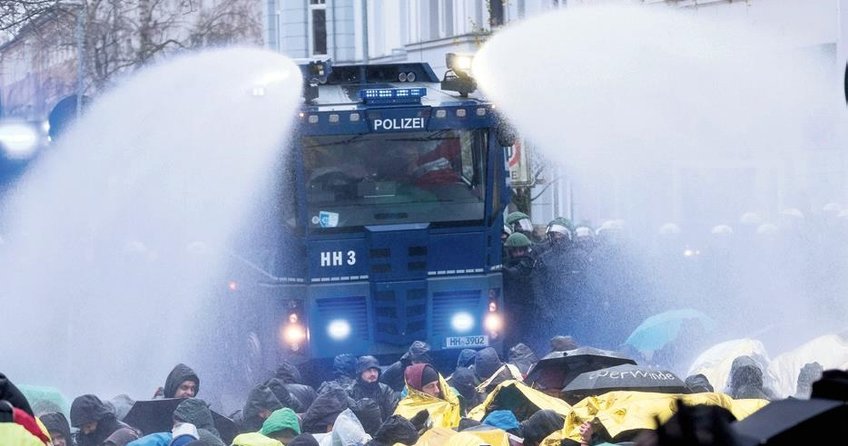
259, 398
325, 410
419, 352
196, 412
540, 425
396, 429
110, 431
385, 397
13, 395
178, 375
297, 397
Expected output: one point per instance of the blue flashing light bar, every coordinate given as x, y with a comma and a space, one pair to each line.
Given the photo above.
386, 96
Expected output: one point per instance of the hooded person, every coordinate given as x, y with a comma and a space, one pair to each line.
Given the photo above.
322, 413
491, 371
465, 382
540, 425
746, 380
395, 430
523, 357
261, 403
809, 374
196, 412
58, 428
367, 385
427, 390
10, 392
182, 382
288, 377
833, 385
698, 383
344, 372
297, 397
393, 376
97, 424
466, 358
283, 426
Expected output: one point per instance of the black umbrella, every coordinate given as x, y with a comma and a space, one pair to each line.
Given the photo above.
557, 369
794, 422
152, 416
623, 377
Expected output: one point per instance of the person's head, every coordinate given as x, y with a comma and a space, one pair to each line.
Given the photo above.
368, 369
520, 222
182, 382
418, 353
283, 425
186, 389
423, 378
518, 245
86, 412
558, 231
58, 427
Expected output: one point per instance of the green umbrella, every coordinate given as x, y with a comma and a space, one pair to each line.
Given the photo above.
45, 399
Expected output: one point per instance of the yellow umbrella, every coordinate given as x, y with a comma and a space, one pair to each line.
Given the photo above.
521, 399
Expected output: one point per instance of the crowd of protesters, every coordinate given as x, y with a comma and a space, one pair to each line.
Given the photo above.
368, 403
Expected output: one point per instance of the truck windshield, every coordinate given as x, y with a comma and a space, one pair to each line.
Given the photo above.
358, 180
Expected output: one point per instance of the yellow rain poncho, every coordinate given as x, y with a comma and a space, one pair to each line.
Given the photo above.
439, 436
623, 411
522, 400
444, 412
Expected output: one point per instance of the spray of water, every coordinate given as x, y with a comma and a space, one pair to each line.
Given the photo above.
645, 100
111, 237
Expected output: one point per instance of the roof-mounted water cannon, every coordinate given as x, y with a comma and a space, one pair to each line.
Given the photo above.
458, 77
315, 72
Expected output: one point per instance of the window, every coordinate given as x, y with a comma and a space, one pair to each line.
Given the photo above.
318, 25
435, 177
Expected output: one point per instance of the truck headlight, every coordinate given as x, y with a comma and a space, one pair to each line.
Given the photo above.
338, 329
462, 322
493, 322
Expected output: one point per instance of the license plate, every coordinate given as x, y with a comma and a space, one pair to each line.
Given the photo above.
466, 341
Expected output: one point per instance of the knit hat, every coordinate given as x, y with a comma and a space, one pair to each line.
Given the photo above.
428, 375
502, 419
279, 420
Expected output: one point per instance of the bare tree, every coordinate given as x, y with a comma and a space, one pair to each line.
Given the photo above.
123, 35
16, 13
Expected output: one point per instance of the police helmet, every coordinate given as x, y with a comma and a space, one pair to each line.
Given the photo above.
721, 230
520, 222
669, 230
750, 219
517, 240
558, 226
583, 232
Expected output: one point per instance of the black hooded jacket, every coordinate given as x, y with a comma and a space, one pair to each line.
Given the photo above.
325, 410
540, 425
344, 369
288, 378
88, 408
522, 357
396, 429
393, 375
178, 375
13, 395
56, 422
196, 412
259, 398
385, 397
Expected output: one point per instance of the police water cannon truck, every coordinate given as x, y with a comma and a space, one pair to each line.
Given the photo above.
394, 194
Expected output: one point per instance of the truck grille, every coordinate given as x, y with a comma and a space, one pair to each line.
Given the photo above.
352, 309
448, 303
401, 315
